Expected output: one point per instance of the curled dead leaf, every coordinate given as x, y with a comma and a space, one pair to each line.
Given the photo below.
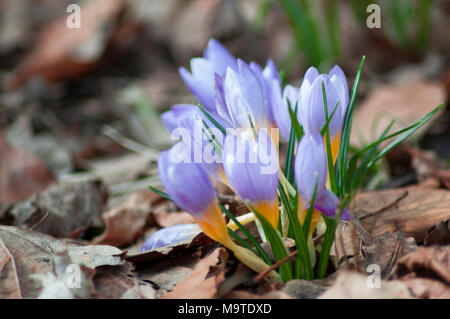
63, 210
26, 253
125, 223
412, 210
426, 262
209, 271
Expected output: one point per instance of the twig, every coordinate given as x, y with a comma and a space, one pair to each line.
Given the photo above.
40, 221
274, 266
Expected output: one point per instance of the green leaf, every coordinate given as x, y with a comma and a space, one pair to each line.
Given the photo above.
295, 123
241, 241
341, 164
328, 240
290, 154
299, 237
309, 213
406, 134
278, 248
244, 230
331, 172
213, 120
160, 193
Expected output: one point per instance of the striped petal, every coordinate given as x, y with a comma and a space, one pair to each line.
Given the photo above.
170, 236
187, 184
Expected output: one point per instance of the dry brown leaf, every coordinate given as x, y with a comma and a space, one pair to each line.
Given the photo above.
352, 285
168, 272
116, 282
356, 246
407, 103
426, 262
206, 276
22, 174
439, 235
412, 210
428, 289
62, 52
63, 210
166, 219
126, 223
26, 253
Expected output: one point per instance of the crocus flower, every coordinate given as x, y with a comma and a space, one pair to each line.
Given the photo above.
187, 123
200, 82
280, 107
311, 168
188, 185
311, 107
251, 167
312, 110
266, 77
171, 118
245, 98
171, 235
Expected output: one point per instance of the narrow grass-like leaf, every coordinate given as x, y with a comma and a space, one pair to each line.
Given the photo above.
299, 237
309, 212
212, 119
160, 193
241, 241
250, 237
406, 134
278, 248
328, 240
290, 153
331, 172
341, 164
298, 128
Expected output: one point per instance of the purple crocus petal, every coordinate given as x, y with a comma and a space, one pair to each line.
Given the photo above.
310, 162
282, 117
170, 119
328, 203
312, 110
252, 167
267, 117
198, 145
311, 74
187, 184
305, 89
219, 57
339, 81
199, 87
270, 72
253, 93
201, 81
221, 104
171, 235
237, 105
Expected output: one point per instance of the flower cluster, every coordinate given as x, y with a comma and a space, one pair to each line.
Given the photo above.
235, 132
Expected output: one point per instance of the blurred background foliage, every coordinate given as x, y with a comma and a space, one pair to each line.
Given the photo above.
73, 96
